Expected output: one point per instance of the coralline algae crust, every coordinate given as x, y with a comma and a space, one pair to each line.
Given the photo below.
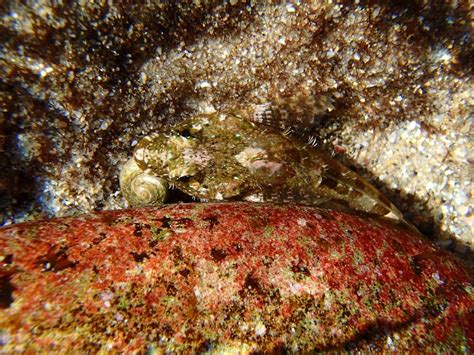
203, 277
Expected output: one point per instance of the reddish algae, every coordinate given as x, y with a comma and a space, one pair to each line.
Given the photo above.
229, 276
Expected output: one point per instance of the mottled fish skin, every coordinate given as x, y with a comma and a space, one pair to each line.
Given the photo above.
297, 116
236, 156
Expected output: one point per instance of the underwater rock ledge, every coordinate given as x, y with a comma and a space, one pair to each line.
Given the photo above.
222, 276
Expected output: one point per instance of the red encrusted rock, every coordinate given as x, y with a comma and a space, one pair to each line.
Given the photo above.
229, 276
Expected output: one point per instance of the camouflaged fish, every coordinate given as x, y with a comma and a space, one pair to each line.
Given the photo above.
243, 155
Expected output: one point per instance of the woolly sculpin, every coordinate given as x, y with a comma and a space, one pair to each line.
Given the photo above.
248, 155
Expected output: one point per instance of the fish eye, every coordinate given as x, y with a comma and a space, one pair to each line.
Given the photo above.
184, 178
185, 133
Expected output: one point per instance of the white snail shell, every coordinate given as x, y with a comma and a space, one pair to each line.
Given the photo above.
140, 188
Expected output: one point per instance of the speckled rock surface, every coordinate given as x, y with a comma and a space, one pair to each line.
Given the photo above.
82, 83
236, 276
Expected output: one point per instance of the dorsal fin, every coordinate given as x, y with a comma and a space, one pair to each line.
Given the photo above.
297, 114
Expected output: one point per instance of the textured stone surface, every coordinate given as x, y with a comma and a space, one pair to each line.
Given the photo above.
229, 276
82, 83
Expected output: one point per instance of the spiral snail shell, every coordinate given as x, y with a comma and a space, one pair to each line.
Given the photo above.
140, 188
